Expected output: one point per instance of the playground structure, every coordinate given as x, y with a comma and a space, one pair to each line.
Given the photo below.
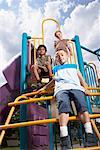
89, 73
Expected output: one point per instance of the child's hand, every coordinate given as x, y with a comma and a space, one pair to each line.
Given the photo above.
55, 43
87, 92
42, 89
45, 69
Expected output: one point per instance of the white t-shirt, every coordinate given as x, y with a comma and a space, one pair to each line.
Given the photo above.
66, 78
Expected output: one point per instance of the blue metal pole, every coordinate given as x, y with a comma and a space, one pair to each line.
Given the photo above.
81, 65
90, 76
23, 86
79, 55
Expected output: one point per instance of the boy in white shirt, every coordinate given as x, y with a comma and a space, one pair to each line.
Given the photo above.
69, 83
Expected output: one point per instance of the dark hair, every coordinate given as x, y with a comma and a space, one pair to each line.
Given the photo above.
40, 46
57, 32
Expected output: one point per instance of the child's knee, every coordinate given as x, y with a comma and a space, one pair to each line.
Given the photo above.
34, 67
48, 64
38, 70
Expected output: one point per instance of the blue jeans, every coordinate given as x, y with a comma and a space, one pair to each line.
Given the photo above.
64, 101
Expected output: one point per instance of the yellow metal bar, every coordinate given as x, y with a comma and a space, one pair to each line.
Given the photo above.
46, 121
35, 93
9, 118
91, 63
94, 94
93, 88
43, 26
30, 100
45, 91
88, 148
95, 129
38, 38
38, 41
29, 56
74, 56
34, 51
34, 41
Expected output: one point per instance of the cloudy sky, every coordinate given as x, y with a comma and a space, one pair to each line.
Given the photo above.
76, 17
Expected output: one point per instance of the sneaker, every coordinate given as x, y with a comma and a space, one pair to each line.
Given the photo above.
33, 86
90, 141
36, 86
39, 85
65, 143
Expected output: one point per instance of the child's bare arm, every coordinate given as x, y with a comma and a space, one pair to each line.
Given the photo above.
70, 49
55, 43
36, 62
83, 83
49, 59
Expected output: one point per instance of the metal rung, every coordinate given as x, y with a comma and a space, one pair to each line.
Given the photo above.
30, 100
46, 121
88, 148
93, 88
94, 94
41, 99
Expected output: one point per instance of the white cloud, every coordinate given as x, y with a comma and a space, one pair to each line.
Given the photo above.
9, 33
53, 8
29, 18
9, 2
1, 1
2, 52
84, 21
3, 63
